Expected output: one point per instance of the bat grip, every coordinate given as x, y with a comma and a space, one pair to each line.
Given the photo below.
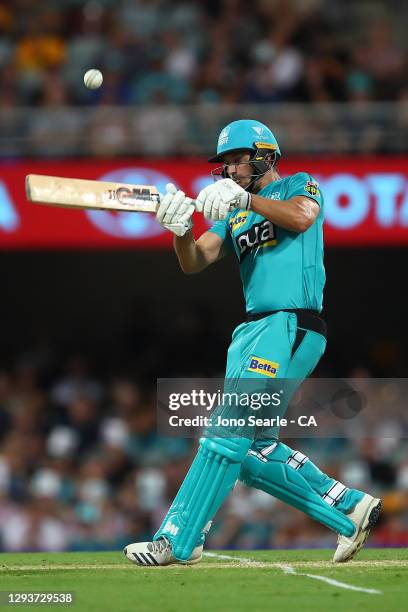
194, 202
231, 208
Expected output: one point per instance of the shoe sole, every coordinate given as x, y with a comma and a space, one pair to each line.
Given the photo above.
373, 516
136, 562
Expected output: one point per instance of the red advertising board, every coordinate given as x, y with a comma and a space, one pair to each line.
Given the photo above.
366, 202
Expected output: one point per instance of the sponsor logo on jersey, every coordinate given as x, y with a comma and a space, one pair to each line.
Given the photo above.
312, 188
260, 235
263, 366
238, 221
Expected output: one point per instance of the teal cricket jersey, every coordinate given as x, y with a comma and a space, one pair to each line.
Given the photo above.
279, 268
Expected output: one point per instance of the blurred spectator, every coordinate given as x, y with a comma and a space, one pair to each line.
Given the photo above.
40, 48
385, 60
76, 383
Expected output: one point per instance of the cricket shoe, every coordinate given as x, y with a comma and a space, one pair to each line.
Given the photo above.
158, 552
364, 516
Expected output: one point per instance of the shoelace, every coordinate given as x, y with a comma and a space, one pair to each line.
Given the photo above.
159, 546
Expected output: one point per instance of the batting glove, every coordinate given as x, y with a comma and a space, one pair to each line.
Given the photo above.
216, 200
175, 211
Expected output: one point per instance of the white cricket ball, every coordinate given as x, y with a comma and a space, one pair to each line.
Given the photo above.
93, 78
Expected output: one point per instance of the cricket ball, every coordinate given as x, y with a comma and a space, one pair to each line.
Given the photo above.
93, 78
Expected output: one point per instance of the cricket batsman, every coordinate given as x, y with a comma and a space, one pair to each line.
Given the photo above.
274, 226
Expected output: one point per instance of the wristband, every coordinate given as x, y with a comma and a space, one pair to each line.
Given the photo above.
249, 201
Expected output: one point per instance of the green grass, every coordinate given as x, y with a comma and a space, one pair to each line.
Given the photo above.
107, 581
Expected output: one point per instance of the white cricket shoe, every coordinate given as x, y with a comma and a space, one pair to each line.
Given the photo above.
364, 516
158, 552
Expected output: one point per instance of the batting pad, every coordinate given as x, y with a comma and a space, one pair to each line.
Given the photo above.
284, 481
211, 477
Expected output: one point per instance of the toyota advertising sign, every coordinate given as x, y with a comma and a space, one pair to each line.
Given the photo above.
366, 202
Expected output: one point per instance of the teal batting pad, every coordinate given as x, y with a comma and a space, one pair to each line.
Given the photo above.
331, 491
210, 478
284, 481
349, 500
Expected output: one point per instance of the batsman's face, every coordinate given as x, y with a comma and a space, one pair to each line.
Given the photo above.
238, 168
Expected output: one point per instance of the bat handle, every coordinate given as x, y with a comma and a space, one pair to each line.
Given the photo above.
194, 202
231, 208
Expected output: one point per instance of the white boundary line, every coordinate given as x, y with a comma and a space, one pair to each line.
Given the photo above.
288, 569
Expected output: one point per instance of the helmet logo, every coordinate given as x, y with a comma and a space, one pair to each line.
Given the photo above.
265, 145
223, 139
258, 130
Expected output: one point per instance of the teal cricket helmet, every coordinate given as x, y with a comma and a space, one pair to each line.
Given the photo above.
246, 135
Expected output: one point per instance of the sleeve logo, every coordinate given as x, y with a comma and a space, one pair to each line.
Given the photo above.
312, 188
263, 366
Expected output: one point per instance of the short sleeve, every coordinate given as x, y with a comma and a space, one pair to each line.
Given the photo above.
302, 184
221, 228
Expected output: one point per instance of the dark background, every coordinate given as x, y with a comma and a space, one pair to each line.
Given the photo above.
101, 301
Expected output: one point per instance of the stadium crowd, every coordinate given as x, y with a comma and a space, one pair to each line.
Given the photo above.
190, 51
83, 467
158, 56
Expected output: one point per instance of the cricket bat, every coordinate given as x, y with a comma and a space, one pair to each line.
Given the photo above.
97, 195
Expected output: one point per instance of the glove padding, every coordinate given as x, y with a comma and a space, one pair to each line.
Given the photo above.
175, 211
216, 199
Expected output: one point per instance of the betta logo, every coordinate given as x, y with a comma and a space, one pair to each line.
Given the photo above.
259, 235
263, 366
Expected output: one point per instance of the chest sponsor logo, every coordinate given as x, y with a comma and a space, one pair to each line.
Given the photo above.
263, 366
260, 235
238, 221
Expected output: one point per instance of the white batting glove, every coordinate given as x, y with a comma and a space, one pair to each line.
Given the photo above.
175, 211
216, 200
